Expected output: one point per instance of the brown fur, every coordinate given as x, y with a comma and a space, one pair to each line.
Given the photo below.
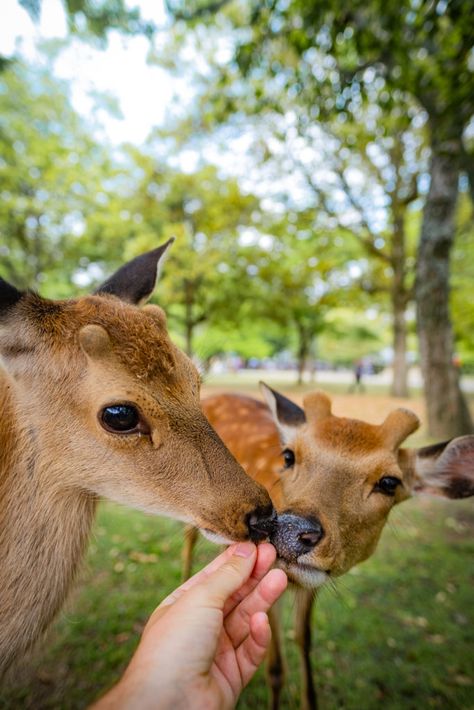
62, 362
338, 463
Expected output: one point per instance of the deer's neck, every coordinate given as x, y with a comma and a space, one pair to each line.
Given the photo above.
43, 535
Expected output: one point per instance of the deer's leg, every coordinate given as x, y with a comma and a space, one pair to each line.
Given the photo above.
304, 606
190, 537
275, 669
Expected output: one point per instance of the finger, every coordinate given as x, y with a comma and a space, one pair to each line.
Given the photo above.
251, 652
216, 588
268, 590
192, 581
266, 555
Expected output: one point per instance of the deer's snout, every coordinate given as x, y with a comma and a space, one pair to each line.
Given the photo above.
295, 535
262, 523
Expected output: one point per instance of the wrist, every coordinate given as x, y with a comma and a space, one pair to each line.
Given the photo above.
133, 692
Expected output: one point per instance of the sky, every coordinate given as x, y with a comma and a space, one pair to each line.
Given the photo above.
143, 91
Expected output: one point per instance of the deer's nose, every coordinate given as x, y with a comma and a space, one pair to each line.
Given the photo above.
296, 535
310, 538
262, 523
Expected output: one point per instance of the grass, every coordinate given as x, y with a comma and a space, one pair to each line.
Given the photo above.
398, 630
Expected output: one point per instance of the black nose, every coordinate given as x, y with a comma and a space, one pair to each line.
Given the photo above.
296, 535
262, 523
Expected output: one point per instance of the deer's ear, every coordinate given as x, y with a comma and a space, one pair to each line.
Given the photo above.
135, 281
9, 296
445, 469
287, 415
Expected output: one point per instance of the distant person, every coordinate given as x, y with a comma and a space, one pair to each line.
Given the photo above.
358, 372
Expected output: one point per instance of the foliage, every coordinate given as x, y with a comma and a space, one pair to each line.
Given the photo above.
350, 336
96, 18
205, 279
422, 50
49, 177
324, 62
245, 273
359, 168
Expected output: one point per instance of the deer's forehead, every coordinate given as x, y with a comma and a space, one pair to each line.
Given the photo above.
346, 453
348, 436
139, 337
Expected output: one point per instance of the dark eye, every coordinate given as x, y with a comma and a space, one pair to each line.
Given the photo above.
289, 458
387, 485
121, 418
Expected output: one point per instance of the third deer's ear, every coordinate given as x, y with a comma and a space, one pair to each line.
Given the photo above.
445, 469
135, 281
287, 415
9, 296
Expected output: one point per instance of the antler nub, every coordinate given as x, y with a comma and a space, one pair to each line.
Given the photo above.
397, 426
317, 406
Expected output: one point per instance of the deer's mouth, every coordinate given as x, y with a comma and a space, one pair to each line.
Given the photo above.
215, 537
303, 574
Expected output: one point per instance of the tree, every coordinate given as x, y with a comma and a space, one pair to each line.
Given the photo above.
299, 275
91, 20
421, 52
50, 174
206, 280
372, 164
359, 166
96, 18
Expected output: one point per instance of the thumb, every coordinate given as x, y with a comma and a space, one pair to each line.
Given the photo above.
217, 587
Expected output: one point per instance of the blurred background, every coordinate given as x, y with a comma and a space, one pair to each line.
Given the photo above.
315, 162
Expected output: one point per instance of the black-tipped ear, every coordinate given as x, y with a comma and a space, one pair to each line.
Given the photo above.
446, 469
9, 295
287, 415
135, 281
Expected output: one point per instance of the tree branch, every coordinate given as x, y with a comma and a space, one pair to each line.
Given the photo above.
367, 241
209, 9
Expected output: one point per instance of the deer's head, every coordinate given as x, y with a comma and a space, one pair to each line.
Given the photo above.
344, 476
106, 404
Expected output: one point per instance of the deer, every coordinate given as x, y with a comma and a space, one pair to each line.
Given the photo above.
97, 402
340, 478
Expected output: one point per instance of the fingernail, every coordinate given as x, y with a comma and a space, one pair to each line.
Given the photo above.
244, 549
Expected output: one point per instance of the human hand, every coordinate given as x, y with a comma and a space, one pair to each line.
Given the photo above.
205, 641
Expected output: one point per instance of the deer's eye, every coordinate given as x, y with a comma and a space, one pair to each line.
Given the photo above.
122, 419
387, 485
288, 458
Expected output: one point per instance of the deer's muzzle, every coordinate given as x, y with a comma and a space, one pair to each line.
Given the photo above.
294, 535
262, 523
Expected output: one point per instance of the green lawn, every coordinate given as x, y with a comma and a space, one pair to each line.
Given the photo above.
399, 629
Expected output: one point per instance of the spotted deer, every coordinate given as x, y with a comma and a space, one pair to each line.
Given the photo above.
97, 402
340, 478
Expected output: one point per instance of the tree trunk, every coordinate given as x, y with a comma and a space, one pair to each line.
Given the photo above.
303, 351
448, 415
189, 338
189, 322
313, 355
400, 366
399, 304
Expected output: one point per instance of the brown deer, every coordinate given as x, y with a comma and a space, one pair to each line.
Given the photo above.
341, 477
96, 401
